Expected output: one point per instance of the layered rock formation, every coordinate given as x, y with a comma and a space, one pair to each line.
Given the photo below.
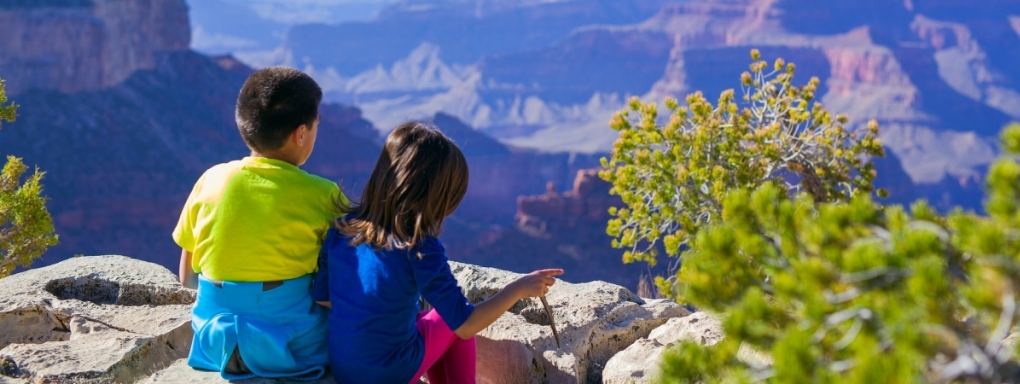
52, 45
466, 30
587, 202
103, 319
939, 76
898, 67
121, 159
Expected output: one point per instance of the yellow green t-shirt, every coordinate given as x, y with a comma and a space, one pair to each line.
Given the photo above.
257, 219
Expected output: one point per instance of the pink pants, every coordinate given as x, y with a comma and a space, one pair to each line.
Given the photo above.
448, 358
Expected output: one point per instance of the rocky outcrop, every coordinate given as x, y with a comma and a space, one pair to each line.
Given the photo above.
180, 372
639, 363
595, 321
102, 319
93, 319
86, 45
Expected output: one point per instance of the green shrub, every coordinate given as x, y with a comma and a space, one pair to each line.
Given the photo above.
855, 292
8, 111
26, 229
672, 177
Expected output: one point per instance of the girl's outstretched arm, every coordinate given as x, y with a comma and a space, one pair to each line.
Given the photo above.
487, 312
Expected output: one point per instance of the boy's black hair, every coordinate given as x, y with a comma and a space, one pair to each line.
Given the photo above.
273, 103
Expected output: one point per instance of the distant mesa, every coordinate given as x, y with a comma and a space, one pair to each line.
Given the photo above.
124, 118
587, 202
939, 76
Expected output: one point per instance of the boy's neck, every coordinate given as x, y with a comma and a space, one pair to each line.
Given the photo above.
277, 155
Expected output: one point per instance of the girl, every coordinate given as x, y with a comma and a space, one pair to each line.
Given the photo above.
384, 255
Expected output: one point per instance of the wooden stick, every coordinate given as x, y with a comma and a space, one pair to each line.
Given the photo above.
552, 321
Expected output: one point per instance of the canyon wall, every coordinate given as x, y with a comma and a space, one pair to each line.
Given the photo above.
86, 45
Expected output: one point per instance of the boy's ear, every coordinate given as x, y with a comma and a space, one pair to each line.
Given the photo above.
300, 135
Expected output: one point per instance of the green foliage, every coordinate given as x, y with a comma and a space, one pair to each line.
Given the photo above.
26, 229
673, 176
855, 292
7, 110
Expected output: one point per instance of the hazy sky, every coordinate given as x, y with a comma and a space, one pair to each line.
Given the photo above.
308, 11
247, 27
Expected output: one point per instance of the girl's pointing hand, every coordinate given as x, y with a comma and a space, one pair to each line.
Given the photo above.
536, 283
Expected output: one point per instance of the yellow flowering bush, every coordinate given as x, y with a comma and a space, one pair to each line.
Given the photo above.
673, 172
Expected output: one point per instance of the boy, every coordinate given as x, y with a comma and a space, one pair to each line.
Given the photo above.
250, 235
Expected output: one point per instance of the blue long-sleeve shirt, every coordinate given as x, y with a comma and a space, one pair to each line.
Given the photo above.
372, 333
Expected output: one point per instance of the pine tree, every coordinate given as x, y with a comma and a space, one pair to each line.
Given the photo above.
855, 292
26, 228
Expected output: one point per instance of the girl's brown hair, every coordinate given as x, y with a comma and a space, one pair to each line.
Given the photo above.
420, 178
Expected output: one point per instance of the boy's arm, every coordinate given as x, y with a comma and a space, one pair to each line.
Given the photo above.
320, 280
189, 279
184, 236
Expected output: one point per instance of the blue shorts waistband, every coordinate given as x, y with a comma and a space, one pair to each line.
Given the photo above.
250, 296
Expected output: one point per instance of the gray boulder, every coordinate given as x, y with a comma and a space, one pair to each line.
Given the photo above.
92, 319
180, 372
639, 363
107, 319
595, 321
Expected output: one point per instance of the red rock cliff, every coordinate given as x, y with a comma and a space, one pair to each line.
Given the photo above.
588, 202
86, 45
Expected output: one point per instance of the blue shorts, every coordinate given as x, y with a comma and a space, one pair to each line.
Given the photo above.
280, 333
